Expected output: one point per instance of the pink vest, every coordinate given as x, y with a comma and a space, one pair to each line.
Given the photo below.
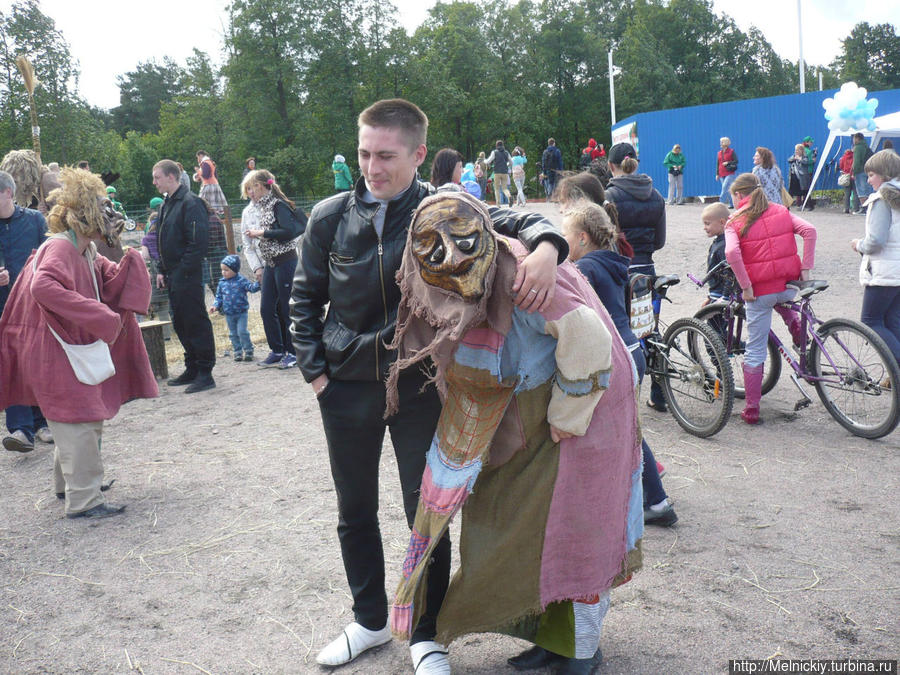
769, 250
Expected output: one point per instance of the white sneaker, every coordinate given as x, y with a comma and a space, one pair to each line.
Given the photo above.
44, 435
351, 643
430, 658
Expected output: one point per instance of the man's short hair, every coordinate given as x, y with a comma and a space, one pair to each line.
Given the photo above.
202, 152
167, 166
397, 113
82, 165
551, 141
7, 182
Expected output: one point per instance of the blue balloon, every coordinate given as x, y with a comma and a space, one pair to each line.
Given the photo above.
472, 188
872, 125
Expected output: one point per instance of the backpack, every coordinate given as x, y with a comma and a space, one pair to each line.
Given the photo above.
639, 304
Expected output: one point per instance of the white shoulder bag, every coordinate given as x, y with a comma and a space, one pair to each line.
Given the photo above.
91, 363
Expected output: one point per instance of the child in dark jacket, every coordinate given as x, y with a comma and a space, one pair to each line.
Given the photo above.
231, 300
714, 218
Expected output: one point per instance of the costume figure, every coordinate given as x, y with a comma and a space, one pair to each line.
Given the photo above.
65, 286
538, 442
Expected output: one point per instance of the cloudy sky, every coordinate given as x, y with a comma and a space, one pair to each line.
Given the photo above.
109, 39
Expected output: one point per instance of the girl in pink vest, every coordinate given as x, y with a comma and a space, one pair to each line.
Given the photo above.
762, 252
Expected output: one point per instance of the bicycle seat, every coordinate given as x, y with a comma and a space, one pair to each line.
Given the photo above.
665, 280
808, 288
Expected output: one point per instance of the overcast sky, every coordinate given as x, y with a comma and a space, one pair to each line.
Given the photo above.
109, 39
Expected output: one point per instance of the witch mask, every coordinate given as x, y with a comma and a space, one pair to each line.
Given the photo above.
453, 244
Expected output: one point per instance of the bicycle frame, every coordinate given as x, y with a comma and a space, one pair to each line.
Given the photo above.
808, 322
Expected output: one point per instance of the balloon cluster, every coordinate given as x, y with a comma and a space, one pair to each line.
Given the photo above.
849, 109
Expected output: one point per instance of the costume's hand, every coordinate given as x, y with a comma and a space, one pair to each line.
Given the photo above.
853, 243
706, 302
558, 434
747, 294
804, 275
536, 278
4, 276
319, 384
259, 274
212, 310
254, 234
160, 280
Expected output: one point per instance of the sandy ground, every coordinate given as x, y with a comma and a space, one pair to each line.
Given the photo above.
227, 561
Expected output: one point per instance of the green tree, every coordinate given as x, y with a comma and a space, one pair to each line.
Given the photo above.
142, 92
870, 56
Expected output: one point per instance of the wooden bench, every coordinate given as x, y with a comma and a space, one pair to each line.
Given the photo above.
154, 341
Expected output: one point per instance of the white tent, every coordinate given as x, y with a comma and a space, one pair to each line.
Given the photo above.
885, 125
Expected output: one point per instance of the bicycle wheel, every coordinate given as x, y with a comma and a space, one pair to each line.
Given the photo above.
771, 366
696, 379
860, 385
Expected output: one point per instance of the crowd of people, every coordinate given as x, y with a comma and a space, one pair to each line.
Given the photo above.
526, 410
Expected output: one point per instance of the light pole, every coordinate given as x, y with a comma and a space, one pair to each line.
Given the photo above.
612, 91
800, 42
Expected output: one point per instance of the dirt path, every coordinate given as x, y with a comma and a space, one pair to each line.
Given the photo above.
227, 560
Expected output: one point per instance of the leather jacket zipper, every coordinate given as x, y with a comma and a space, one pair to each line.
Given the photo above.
383, 301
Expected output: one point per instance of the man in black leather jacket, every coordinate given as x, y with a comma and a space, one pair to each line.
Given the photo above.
350, 253
183, 232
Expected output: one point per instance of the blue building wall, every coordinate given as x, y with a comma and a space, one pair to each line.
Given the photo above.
777, 123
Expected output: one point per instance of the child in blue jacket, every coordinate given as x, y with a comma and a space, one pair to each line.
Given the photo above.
231, 300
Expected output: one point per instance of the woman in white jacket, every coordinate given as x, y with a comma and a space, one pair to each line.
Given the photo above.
880, 249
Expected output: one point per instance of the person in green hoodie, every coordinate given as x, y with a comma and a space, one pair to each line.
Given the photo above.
343, 181
674, 163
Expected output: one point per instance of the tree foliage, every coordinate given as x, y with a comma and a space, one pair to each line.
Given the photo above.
295, 74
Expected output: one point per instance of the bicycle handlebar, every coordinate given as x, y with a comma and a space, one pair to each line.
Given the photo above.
710, 274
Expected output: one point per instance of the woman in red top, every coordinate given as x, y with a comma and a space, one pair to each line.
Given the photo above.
850, 196
762, 252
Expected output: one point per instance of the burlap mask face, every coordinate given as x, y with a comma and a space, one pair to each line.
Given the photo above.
452, 247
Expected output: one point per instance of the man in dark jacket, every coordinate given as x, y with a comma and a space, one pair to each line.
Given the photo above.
183, 237
21, 232
551, 165
350, 254
861, 152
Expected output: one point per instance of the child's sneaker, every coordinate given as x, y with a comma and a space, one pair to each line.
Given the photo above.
248, 356
238, 356
289, 361
271, 360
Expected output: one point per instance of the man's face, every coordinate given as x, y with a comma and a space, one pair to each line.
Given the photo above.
386, 160
6, 201
164, 182
453, 249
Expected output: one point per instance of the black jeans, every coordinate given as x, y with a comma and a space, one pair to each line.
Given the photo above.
352, 414
191, 321
274, 305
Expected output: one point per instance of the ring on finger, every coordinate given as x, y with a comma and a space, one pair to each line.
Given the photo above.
533, 291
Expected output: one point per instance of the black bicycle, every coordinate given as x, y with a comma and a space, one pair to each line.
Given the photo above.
691, 366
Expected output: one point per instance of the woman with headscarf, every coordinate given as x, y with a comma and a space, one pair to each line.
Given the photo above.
537, 445
68, 293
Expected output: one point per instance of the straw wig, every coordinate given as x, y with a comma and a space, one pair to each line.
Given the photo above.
78, 204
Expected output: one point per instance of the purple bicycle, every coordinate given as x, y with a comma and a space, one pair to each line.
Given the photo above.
852, 369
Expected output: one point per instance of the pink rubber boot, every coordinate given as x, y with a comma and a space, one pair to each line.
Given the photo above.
792, 321
752, 391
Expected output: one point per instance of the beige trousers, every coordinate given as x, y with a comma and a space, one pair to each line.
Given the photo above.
501, 184
77, 466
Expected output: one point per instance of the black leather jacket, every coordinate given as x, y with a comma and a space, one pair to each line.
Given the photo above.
183, 234
345, 265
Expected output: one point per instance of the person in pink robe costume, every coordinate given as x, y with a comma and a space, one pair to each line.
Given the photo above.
55, 289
